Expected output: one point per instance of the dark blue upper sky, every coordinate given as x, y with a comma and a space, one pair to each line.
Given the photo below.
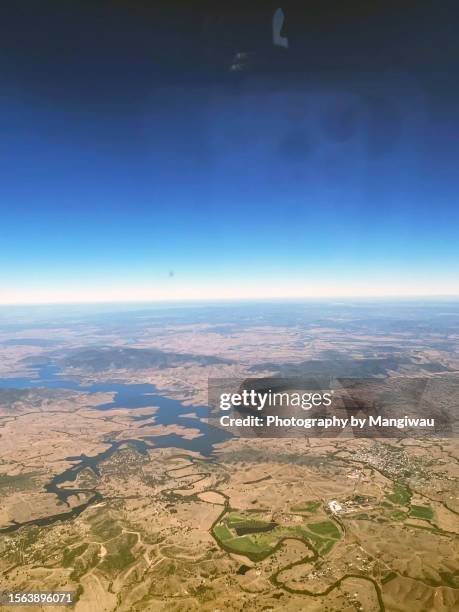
158, 152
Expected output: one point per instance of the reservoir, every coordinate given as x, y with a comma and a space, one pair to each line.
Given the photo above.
168, 412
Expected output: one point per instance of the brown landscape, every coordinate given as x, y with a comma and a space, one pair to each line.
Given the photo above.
105, 494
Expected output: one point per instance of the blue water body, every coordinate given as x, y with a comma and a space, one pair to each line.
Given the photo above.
168, 412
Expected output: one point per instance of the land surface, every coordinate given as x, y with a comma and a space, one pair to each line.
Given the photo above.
104, 495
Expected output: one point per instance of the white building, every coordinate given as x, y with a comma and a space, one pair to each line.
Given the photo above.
335, 507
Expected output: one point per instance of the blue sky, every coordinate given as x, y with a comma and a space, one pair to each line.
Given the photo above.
121, 183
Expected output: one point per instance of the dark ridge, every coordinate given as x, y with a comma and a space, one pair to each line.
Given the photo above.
336, 367
106, 358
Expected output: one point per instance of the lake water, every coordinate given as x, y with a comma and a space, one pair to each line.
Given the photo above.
168, 412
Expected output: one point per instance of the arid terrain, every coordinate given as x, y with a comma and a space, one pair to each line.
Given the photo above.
112, 485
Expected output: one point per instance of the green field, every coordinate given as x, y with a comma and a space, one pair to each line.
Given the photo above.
246, 546
307, 506
401, 495
422, 512
397, 515
327, 529
221, 532
321, 536
240, 521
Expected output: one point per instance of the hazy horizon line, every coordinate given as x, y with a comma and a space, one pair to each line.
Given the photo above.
210, 300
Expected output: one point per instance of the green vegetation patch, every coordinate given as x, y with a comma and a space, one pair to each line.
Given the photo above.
119, 553
450, 579
397, 515
326, 529
362, 516
222, 533
326, 547
401, 495
71, 554
239, 521
422, 512
252, 549
257, 545
308, 506
105, 528
85, 561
